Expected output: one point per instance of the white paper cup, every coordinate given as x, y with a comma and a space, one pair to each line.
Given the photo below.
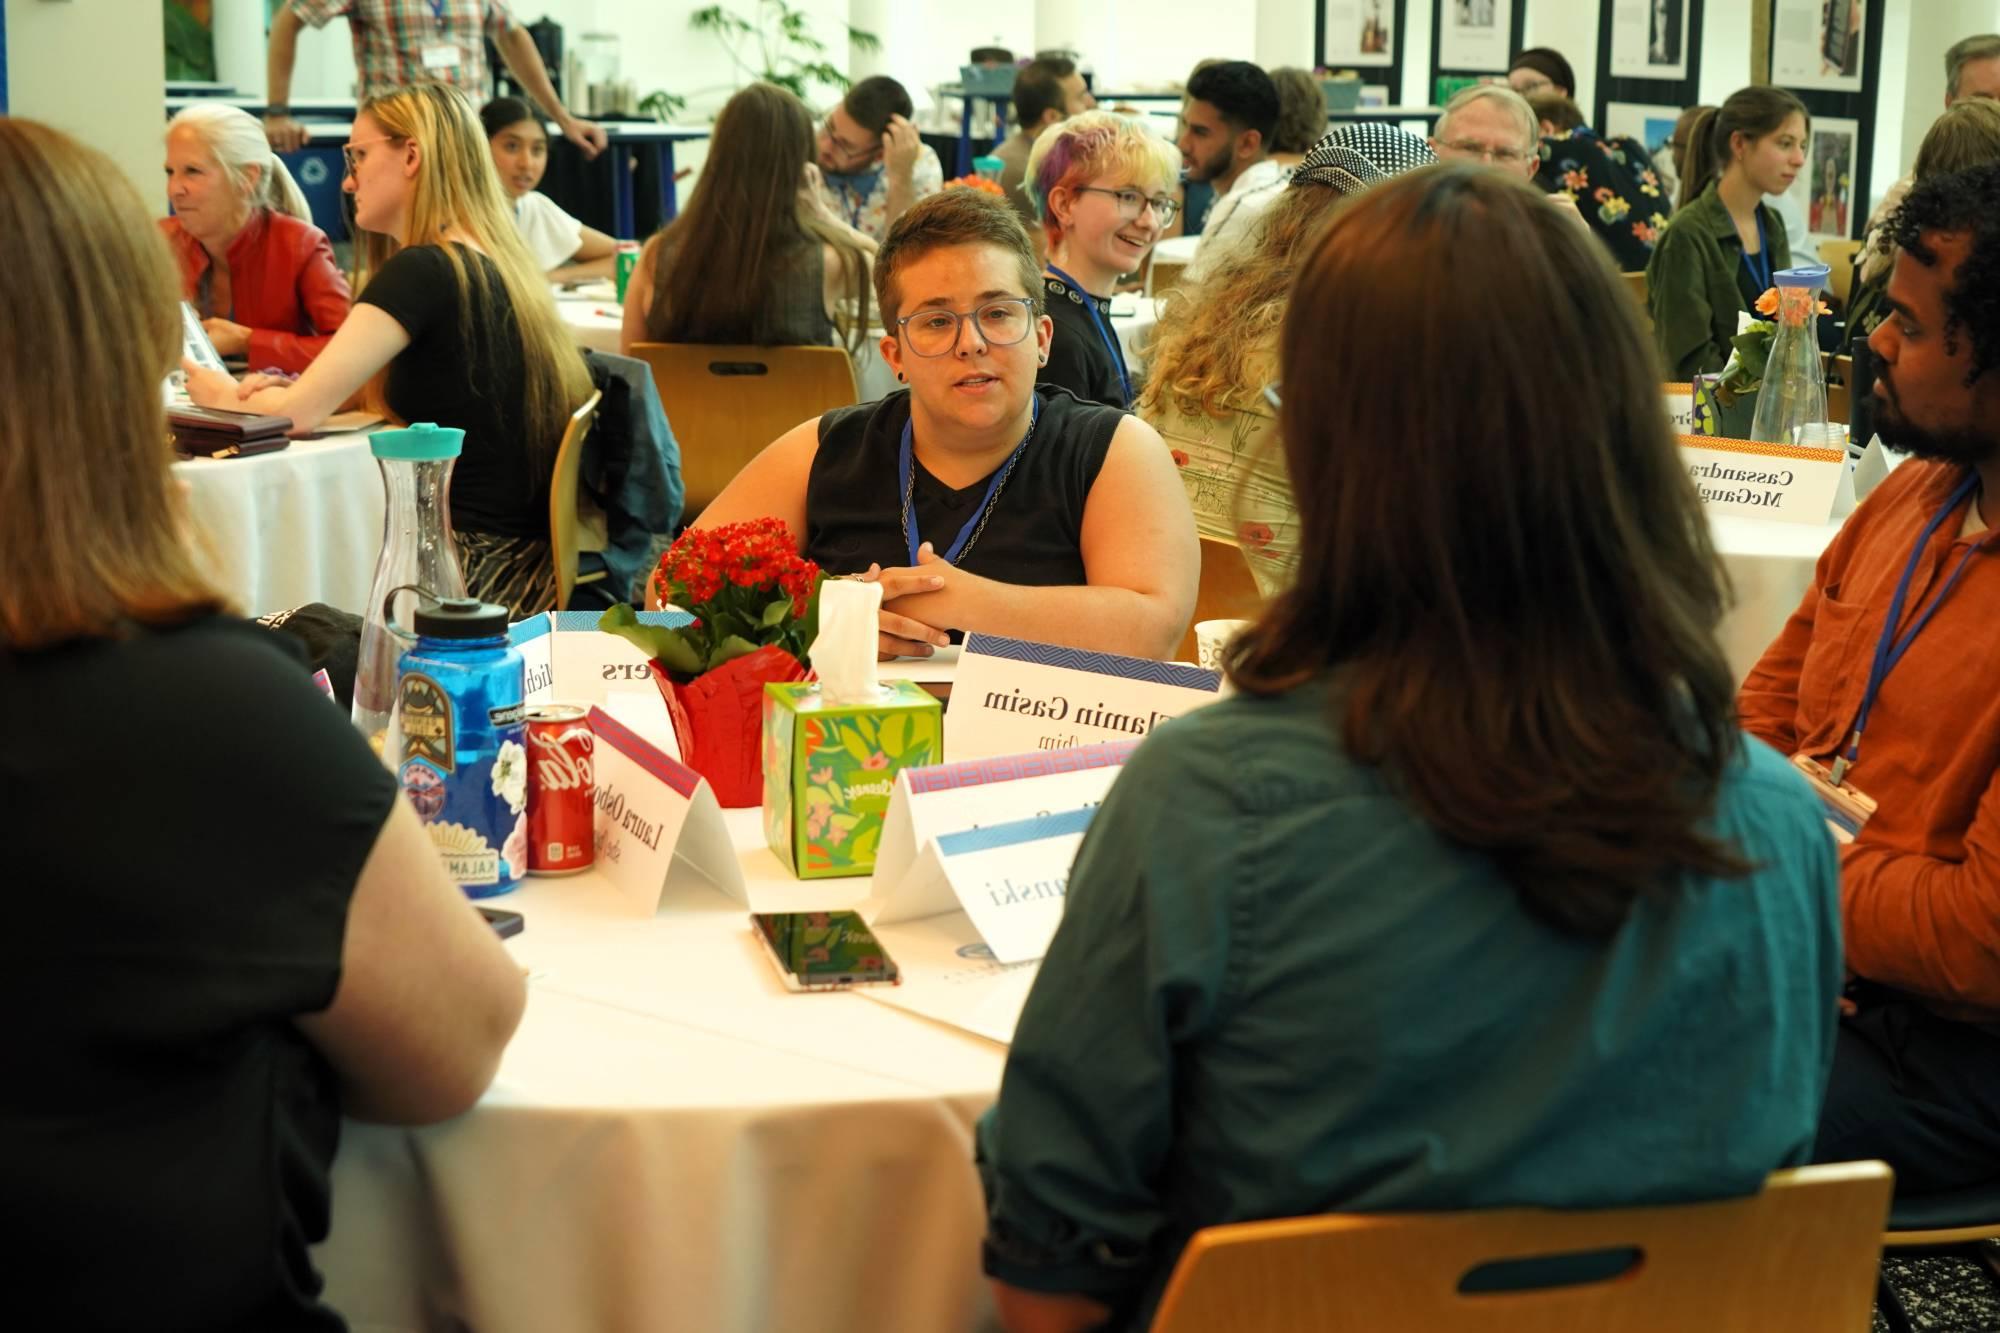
1211, 637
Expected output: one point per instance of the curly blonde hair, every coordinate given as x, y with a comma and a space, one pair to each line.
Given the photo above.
1218, 340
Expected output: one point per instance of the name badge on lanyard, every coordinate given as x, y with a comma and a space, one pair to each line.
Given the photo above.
440, 58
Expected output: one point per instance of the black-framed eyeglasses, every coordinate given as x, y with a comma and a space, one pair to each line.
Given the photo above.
998, 323
841, 146
1131, 203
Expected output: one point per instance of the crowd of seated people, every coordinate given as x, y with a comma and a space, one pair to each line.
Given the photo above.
1529, 774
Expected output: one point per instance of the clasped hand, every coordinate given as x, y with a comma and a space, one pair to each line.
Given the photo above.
899, 634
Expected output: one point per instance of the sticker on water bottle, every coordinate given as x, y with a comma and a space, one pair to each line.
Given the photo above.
427, 722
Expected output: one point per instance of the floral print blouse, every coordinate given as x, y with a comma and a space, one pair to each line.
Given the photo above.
1614, 187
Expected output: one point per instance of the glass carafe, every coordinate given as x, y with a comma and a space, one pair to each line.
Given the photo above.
417, 554
1794, 389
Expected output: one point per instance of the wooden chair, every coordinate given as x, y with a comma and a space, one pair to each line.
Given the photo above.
726, 403
1228, 590
1838, 256
1840, 389
1800, 1255
563, 523
1163, 276
1635, 283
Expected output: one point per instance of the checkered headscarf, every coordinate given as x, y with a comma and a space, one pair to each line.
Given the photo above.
1354, 157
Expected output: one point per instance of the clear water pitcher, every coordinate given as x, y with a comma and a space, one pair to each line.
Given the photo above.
1794, 390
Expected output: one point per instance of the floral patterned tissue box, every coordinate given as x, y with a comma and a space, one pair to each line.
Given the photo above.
829, 770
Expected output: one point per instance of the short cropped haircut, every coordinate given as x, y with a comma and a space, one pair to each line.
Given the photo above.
1038, 89
1985, 46
1301, 119
1517, 105
952, 217
1965, 203
1556, 109
873, 100
1241, 91
1096, 143
1549, 63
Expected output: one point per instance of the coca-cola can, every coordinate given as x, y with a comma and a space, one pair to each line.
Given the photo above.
561, 790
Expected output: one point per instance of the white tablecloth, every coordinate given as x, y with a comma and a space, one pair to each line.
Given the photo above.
1770, 566
675, 1142
300, 525
1133, 319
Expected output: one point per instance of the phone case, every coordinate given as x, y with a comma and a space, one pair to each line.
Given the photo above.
193, 420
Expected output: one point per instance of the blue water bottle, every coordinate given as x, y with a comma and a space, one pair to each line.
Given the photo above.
462, 756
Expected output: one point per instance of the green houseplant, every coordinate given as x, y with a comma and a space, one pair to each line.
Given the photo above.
774, 42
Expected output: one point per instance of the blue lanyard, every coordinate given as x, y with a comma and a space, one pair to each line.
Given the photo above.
437, 10
1889, 648
1761, 275
1110, 343
907, 479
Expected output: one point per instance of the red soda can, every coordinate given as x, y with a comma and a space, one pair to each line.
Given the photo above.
561, 790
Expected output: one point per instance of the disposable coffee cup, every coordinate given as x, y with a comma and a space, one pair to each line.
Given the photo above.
1211, 637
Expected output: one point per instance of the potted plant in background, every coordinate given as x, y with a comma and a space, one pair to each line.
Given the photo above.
755, 603
787, 53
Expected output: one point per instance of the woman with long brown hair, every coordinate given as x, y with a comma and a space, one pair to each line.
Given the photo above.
224, 928
755, 258
1473, 894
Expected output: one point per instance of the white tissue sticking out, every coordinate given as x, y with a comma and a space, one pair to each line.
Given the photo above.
843, 656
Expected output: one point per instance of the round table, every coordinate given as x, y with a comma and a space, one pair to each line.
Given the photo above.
674, 1141
1770, 566
282, 529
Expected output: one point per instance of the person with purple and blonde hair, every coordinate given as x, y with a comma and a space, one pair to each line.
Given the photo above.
1104, 190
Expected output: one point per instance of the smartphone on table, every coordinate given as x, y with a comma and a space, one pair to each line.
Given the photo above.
823, 950
504, 923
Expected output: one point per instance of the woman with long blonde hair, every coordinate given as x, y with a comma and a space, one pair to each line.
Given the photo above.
199, 995
456, 326
1217, 348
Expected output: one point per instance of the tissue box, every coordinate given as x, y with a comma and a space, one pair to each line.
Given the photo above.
829, 770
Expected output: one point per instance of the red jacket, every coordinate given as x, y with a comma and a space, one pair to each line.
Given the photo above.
283, 285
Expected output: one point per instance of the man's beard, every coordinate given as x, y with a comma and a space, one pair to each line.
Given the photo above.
1214, 166
1959, 445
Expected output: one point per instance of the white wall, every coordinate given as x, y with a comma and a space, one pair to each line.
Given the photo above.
1725, 49
96, 74
1569, 26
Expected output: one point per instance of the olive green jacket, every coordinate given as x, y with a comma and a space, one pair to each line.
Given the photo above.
1691, 284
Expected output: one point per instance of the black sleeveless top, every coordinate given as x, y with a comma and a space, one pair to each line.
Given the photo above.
1079, 358
1034, 535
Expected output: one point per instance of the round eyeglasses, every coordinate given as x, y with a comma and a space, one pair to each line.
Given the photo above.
1131, 203
999, 323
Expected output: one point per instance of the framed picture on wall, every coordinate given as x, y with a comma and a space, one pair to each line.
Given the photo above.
1825, 189
1360, 32
1474, 35
1818, 43
1649, 39
1651, 124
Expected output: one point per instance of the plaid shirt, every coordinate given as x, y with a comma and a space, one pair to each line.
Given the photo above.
390, 37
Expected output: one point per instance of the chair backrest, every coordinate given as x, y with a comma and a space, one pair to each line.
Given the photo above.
1840, 389
1228, 590
1800, 1255
562, 496
1163, 275
1838, 256
726, 403
1635, 283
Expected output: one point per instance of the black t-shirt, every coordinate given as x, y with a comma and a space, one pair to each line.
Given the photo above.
1079, 358
496, 486
187, 817
1034, 535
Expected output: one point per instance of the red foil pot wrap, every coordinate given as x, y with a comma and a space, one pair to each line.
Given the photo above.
719, 717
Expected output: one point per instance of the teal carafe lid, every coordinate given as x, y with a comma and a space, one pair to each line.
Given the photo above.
424, 442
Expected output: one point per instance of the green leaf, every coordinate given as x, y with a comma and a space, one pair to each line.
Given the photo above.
777, 612
862, 41
728, 650
863, 846
850, 740
894, 728
832, 796
844, 821
672, 648
866, 725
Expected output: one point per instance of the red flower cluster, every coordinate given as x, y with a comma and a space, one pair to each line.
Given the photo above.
758, 555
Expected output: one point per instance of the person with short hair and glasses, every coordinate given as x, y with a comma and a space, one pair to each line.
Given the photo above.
1105, 190
981, 500
872, 162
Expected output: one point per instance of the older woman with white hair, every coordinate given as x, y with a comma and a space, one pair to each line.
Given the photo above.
256, 269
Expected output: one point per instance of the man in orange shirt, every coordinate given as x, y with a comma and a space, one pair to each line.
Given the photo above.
1888, 676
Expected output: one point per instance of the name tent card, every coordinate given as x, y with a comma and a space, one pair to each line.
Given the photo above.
1011, 696
1680, 408
1756, 480
571, 661
941, 799
653, 811
1010, 879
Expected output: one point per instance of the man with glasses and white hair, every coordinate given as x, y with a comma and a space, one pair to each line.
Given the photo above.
1493, 124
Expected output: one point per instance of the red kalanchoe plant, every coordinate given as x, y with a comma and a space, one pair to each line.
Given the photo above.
746, 586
